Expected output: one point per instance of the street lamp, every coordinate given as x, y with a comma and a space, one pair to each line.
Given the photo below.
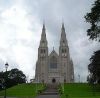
6, 66
79, 77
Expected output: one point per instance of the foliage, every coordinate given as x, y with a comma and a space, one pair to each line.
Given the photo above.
94, 68
1, 80
94, 19
11, 78
17, 76
40, 90
60, 90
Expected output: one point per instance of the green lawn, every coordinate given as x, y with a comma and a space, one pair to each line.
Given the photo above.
82, 90
73, 90
21, 90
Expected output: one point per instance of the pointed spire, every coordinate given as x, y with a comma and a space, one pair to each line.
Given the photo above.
63, 28
63, 34
43, 29
63, 39
43, 26
43, 36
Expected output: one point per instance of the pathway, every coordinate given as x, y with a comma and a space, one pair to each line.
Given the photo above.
50, 92
48, 96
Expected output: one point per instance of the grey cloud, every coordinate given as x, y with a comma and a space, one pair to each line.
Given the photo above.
71, 12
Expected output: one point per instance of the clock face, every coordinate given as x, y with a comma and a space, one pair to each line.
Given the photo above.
42, 55
62, 54
65, 54
43, 44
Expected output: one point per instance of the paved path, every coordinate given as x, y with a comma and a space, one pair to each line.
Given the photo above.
50, 92
48, 96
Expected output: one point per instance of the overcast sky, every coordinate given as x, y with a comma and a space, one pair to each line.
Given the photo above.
20, 31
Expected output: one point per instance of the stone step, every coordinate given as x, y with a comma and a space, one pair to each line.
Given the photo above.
52, 86
50, 93
51, 90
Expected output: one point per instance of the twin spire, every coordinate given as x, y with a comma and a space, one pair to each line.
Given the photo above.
43, 35
63, 28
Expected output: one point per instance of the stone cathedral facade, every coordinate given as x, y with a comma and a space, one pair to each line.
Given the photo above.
54, 68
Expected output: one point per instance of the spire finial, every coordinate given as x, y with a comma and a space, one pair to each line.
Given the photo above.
63, 25
43, 25
43, 35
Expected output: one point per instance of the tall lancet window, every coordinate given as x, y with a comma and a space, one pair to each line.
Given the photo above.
53, 62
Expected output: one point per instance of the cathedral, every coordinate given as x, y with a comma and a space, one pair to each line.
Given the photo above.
54, 68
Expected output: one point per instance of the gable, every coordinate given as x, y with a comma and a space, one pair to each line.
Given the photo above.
53, 53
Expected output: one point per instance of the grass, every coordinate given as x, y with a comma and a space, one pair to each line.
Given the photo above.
80, 90
73, 90
23, 90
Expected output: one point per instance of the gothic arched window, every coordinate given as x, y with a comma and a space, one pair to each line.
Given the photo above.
53, 62
42, 50
62, 50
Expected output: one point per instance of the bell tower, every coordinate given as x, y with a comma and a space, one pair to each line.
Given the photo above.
63, 49
42, 58
64, 57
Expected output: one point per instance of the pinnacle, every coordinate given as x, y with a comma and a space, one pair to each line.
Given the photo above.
63, 26
43, 26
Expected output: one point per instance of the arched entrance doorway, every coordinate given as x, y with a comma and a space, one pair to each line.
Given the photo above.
53, 80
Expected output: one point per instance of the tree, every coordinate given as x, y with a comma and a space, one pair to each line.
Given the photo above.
94, 19
94, 68
17, 76
1, 80
13, 77
94, 33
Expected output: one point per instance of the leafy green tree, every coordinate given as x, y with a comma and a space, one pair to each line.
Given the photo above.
94, 19
94, 68
1, 80
11, 78
17, 76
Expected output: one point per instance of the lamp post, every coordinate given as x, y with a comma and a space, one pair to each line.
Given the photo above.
6, 67
79, 77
